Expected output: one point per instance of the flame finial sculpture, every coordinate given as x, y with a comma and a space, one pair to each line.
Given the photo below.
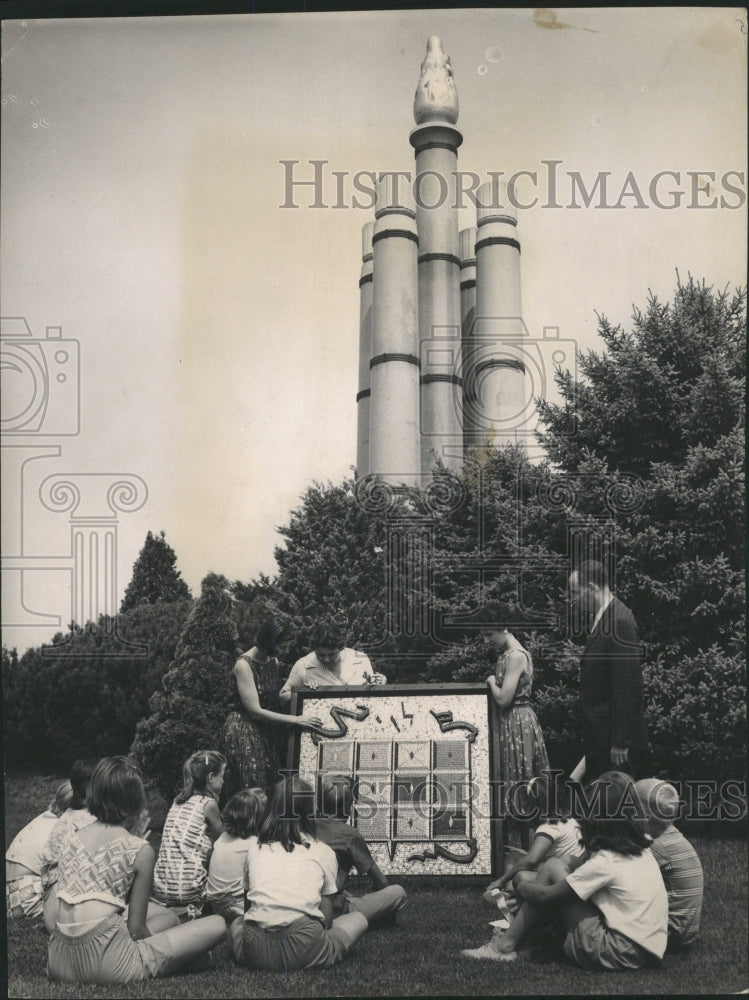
436, 97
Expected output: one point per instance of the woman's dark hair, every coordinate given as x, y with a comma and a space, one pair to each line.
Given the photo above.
196, 771
288, 814
115, 792
614, 819
326, 634
80, 775
242, 812
268, 636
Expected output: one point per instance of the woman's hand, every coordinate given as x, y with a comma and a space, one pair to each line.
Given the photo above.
309, 722
491, 682
311, 683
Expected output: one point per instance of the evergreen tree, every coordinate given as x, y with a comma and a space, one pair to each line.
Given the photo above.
155, 576
84, 694
333, 566
652, 435
189, 711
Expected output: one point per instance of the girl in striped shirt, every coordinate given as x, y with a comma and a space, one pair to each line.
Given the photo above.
192, 824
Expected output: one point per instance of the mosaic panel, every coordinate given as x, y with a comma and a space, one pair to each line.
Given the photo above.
337, 757
450, 754
421, 766
450, 824
374, 756
411, 824
412, 755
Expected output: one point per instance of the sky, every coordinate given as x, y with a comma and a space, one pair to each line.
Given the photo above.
217, 331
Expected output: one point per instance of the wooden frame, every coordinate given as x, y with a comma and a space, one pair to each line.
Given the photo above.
424, 761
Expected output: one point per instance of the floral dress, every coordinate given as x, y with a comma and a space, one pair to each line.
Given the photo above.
255, 750
522, 753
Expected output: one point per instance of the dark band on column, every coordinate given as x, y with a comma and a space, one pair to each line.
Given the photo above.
490, 241
365, 278
362, 394
437, 377
498, 363
449, 257
406, 233
381, 359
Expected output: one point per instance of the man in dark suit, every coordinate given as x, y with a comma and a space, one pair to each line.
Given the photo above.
615, 734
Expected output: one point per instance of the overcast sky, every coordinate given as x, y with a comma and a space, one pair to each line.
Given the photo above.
218, 332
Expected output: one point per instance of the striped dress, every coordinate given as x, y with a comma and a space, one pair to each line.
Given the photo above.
181, 871
682, 876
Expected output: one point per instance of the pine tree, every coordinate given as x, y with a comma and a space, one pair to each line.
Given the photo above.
652, 435
189, 711
155, 576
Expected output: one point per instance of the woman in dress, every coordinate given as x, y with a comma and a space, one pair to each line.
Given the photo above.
522, 753
252, 737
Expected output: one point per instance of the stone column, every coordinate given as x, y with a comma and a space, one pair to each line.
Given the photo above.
394, 367
467, 319
365, 352
497, 382
435, 141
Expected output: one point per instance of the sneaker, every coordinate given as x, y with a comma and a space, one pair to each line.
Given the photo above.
485, 951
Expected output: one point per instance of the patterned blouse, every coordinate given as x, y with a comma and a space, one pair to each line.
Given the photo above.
67, 824
106, 873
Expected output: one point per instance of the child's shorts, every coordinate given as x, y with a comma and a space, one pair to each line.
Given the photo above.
104, 954
23, 897
303, 944
595, 946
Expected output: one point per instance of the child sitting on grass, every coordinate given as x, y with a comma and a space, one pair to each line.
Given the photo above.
23, 859
351, 851
191, 826
76, 817
677, 859
105, 867
557, 836
291, 877
225, 886
614, 905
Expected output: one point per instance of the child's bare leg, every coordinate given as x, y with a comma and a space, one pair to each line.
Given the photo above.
528, 915
351, 926
191, 940
160, 918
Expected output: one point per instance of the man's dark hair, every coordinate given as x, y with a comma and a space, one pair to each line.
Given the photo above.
593, 572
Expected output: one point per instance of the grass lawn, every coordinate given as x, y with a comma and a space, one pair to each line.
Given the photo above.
420, 956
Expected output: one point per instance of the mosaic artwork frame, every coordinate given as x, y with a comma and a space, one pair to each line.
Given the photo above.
423, 759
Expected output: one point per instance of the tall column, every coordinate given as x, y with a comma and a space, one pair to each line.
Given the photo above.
365, 352
435, 141
467, 318
394, 367
497, 392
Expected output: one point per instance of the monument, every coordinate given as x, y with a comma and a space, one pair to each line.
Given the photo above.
441, 366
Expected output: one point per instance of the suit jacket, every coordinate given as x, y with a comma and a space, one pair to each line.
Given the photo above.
611, 682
